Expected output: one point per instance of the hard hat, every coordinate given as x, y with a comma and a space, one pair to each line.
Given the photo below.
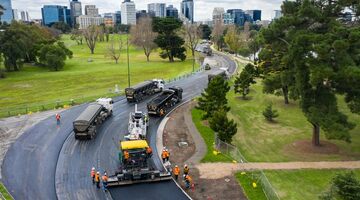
97, 172
93, 168
164, 148
105, 174
176, 166
185, 165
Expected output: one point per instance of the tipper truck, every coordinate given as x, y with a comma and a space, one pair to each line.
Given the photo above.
141, 90
86, 124
167, 99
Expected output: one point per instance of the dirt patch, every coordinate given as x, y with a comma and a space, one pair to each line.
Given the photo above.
305, 146
205, 123
176, 130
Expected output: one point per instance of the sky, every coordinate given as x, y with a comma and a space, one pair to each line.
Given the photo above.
203, 8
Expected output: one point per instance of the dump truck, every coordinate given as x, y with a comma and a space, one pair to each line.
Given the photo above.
144, 89
138, 168
138, 124
168, 98
90, 119
207, 50
221, 72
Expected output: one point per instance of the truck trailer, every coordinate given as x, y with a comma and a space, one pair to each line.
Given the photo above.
95, 114
141, 90
168, 98
221, 72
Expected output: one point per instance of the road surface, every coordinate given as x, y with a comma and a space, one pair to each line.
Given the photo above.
46, 162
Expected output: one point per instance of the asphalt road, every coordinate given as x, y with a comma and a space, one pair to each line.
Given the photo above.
46, 162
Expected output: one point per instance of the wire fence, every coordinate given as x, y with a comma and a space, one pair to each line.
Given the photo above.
233, 152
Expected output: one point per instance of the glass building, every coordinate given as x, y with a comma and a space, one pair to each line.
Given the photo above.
8, 12
171, 11
239, 16
187, 9
55, 13
159, 9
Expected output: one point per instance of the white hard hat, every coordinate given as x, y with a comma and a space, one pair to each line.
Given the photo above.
97, 172
105, 173
93, 168
164, 148
175, 165
185, 165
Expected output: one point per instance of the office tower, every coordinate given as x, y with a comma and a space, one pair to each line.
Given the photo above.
171, 11
278, 14
128, 12
85, 21
25, 16
159, 9
118, 17
255, 14
7, 12
55, 13
218, 15
228, 19
239, 16
76, 10
91, 10
15, 14
187, 9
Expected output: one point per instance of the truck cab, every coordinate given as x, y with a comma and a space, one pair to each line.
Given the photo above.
106, 102
160, 84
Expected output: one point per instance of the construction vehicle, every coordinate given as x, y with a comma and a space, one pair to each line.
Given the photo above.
95, 114
168, 98
138, 124
207, 50
221, 72
146, 88
139, 168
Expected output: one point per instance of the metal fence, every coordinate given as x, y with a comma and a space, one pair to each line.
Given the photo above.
233, 152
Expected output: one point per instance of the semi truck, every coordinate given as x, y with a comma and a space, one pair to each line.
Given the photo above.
138, 168
141, 90
167, 99
138, 124
90, 119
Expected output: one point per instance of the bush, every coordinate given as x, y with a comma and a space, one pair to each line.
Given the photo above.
269, 113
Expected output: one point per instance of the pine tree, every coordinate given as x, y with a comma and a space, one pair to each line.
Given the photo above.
269, 113
244, 80
344, 186
224, 127
214, 97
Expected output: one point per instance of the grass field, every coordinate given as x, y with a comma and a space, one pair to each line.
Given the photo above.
302, 184
80, 79
246, 181
259, 140
208, 136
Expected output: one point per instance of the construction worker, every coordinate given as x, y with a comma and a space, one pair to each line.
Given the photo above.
104, 181
186, 170
167, 154
149, 152
176, 172
164, 155
57, 116
162, 112
92, 174
188, 181
126, 156
97, 179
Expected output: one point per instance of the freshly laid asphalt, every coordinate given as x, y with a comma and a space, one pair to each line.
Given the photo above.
46, 162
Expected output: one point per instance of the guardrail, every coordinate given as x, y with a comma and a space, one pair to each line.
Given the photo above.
233, 152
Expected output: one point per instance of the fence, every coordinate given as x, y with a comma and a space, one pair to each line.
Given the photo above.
234, 153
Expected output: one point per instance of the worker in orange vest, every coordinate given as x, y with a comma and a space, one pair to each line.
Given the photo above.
97, 179
149, 151
126, 156
164, 155
92, 174
104, 181
167, 154
186, 170
57, 116
176, 172
188, 181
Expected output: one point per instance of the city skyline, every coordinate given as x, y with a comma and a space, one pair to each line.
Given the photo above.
203, 8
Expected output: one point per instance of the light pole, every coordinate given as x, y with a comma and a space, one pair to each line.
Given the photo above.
127, 51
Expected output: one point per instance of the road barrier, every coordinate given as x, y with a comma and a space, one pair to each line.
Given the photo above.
233, 152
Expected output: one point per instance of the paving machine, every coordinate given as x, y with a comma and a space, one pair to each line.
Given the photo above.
138, 168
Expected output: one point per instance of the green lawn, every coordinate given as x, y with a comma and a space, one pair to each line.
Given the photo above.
4, 192
246, 181
302, 184
208, 136
80, 79
259, 140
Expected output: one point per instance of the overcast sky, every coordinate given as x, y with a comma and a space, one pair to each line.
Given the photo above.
203, 8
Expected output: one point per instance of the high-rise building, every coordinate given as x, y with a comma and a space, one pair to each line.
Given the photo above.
171, 11
278, 14
118, 17
76, 10
15, 14
55, 13
239, 16
7, 12
143, 13
25, 16
91, 10
128, 12
109, 19
187, 9
85, 21
228, 19
158, 8
218, 15
255, 14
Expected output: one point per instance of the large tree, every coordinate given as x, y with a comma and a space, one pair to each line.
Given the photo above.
217, 34
344, 186
54, 55
244, 80
192, 34
114, 48
323, 53
234, 39
143, 36
224, 127
214, 97
168, 39
91, 35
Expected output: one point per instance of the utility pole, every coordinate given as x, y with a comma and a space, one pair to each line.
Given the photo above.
127, 51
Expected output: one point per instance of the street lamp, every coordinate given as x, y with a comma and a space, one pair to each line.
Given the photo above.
127, 51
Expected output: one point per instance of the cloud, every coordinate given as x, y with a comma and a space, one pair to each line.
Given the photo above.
203, 8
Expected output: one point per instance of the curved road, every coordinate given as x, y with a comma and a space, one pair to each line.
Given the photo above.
46, 162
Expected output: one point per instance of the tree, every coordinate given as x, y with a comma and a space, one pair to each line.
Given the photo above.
322, 53
244, 80
63, 27
91, 34
234, 39
167, 39
254, 43
205, 31
269, 113
218, 34
344, 186
77, 35
54, 55
143, 36
214, 97
224, 127
192, 36
114, 49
